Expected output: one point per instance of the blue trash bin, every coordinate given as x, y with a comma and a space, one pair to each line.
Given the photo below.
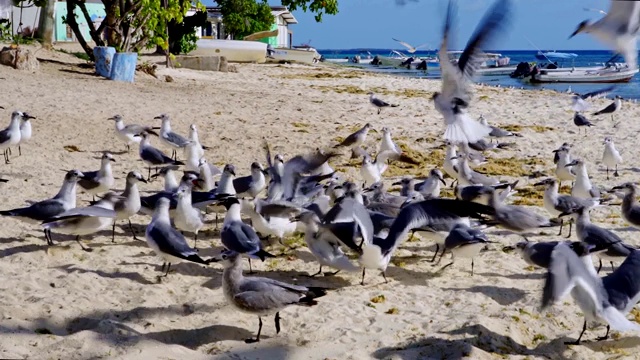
104, 58
123, 67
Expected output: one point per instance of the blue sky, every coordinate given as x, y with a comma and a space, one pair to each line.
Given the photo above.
372, 24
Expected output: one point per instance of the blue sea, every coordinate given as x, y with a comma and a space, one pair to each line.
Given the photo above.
629, 90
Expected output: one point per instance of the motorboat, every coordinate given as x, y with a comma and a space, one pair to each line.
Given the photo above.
307, 55
611, 73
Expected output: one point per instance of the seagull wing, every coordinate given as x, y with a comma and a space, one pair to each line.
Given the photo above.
567, 271
598, 93
408, 46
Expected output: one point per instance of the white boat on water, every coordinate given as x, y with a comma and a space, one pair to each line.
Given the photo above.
613, 73
234, 50
307, 55
396, 58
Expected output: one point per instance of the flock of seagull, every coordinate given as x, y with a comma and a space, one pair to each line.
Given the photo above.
344, 220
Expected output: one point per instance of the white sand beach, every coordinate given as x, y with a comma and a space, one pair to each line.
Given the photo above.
63, 303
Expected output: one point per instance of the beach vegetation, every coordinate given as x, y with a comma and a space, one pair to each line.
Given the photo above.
245, 17
318, 7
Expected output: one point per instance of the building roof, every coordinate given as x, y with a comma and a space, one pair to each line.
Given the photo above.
281, 11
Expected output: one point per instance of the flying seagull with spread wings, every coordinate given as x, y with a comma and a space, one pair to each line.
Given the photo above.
454, 98
410, 49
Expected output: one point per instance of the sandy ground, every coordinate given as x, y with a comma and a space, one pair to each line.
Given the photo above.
63, 303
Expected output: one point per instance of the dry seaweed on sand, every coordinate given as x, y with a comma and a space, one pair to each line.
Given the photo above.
511, 166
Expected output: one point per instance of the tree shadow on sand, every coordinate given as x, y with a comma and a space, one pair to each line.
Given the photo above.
482, 338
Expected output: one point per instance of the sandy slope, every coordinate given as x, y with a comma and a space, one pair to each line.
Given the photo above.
109, 304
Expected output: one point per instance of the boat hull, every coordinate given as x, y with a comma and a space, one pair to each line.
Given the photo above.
604, 76
233, 50
294, 55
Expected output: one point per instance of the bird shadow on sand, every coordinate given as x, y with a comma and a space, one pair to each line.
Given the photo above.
133, 276
121, 152
515, 276
113, 328
482, 338
21, 249
289, 276
80, 71
501, 295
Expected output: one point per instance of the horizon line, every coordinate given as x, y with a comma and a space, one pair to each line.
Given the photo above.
432, 50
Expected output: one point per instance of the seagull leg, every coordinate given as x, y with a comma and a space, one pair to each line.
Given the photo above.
19, 151
318, 273
436, 253
570, 225
251, 341
613, 268
446, 266
471, 267
277, 321
615, 173
441, 255
47, 236
195, 241
82, 246
363, 271
250, 269
168, 268
331, 273
164, 264
379, 109
113, 232
577, 342
599, 267
128, 147
607, 173
132, 231
606, 336
561, 225
385, 277
149, 176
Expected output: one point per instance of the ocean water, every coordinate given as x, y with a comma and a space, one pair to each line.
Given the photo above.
629, 90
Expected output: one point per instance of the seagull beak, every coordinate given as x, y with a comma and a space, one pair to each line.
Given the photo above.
27, 116
265, 172
112, 160
158, 117
143, 180
573, 163
540, 183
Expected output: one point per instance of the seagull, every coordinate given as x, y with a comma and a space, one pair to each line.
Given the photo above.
187, 217
168, 174
618, 29
583, 188
11, 135
379, 104
166, 241
64, 200
262, 296
630, 207
252, 185
85, 220
612, 108
152, 156
606, 299
496, 132
238, 236
130, 203
580, 120
578, 102
356, 139
372, 170
464, 242
100, 181
25, 131
323, 244
556, 204
130, 134
454, 98
169, 137
410, 49
562, 158
611, 156
386, 143
195, 141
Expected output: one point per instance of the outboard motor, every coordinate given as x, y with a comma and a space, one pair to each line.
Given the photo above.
376, 60
522, 70
422, 65
407, 63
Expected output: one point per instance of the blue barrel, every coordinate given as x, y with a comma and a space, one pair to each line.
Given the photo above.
104, 57
123, 66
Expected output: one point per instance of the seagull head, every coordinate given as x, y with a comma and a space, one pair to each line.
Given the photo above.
73, 175
436, 173
607, 140
371, 94
229, 169
279, 158
575, 162
227, 200
628, 187
116, 118
545, 182
163, 117
134, 176
228, 257
26, 117
405, 181
583, 27
435, 95
107, 157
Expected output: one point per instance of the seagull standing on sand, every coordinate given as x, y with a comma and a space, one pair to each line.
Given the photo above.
11, 135
464, 242
152, 156
187, 217
64, 200
410, 49
25, 131
85, 220
356, 139
618, 29
97, 182
611, 157
612, 108
129, 204
580, 120
379, 104
166, 241
171, 138
262, 296
454, 98
130, 134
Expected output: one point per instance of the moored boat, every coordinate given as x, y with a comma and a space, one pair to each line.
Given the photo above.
608, 74
234, 50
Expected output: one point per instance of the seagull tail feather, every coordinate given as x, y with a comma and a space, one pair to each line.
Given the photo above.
618, 321
466, 130
197, 259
